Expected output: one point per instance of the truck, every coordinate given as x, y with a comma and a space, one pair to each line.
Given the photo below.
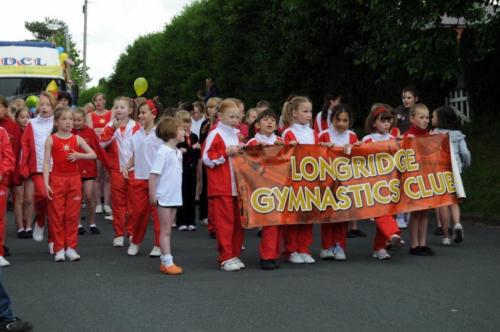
26, 68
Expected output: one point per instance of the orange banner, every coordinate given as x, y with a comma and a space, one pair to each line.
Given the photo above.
281, 185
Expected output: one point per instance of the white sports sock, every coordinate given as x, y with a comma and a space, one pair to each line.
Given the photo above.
167, 260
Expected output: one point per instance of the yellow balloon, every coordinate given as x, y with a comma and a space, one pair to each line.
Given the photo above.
63, 56
52, 87
140, 86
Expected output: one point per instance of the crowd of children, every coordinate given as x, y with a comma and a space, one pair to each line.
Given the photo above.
138, 162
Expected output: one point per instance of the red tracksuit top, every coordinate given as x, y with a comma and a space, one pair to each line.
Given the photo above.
7, 160
119, 143
220, 174
61, 148
320, 124
14, 133
88, 167
33, 144
301, 133
339, 139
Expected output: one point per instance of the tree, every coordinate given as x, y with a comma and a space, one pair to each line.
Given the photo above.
41, 32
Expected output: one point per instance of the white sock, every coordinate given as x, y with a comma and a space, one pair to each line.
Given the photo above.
94, 225
20, 230
29, 229
167, 260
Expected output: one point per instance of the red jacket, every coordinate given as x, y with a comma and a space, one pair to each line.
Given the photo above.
88, 167
220, 174
7, 160
302, 134
32, 154
14, 135
119, 144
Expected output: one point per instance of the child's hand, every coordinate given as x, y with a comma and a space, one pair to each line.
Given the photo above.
410, 136
232, 150
400, 137
348, 148
293, 143
358, 143
326, 144
73, 156
48, 190
197, 146
278, 142
152, 199
116, 124
183, 150
124, 173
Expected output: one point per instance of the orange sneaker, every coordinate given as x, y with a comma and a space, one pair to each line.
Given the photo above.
172, 269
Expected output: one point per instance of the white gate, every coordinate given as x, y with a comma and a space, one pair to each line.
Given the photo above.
459, 100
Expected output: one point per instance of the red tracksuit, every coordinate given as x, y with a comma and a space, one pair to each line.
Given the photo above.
144, 147
7, 162
88, 167
269, 247
14, 133
31, 165
333, 233
298, 238
64, 207
120, 151
322, 124
223, 206
386, 225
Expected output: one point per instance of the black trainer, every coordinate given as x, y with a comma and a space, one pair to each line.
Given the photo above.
439, 231
17, 325
428, 251
29, 234
94, 230
350, 235
267, 264
21, 234
212, 235
418, 251
81, 230
6, 251
358, 233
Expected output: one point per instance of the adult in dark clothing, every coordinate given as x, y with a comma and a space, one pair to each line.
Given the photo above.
410, 96
8, 322
211, 89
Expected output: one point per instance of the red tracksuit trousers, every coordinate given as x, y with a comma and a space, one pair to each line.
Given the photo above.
64, 210
298, 238
270, 241
4, 191
226, 218
386, 227
333, 233
121, 199
40, 202
141, 211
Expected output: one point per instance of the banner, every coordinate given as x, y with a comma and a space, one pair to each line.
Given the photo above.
282, 185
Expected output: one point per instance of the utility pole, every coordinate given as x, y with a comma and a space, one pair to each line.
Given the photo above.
84, 74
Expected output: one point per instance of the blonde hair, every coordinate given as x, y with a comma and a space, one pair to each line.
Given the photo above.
183, 116
94, 97
418, 106
238, 103
213, 102
80, 111
224, 105
58, 113
87, 106
290, 106
50, 97
125, 99
167, 128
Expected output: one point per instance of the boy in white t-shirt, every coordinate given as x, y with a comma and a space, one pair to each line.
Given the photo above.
165, 186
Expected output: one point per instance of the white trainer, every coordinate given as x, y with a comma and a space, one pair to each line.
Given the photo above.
381, 254
118, 241
338, 253
59, 257
308, 259
155, 252
107, 209
396, 242
230, 265
240, 262
326, 254
108, 217
38, 233
133, 249
446, 241
72, 255
401, 221
296, 258
191, 228
98, 208
182, 228
51, 248
4, 262
204, 221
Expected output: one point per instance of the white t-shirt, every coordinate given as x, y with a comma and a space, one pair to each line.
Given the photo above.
144, 147
168, 165
196, 126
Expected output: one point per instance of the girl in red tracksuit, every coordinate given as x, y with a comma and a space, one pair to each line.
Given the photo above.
117, 136
333, 235
267, 124
63, 184
379, 124
22, 211
98, 120
323, 118
298, 238
145, 143
31, 165
419, 126
88, 167
7, 161
221, 144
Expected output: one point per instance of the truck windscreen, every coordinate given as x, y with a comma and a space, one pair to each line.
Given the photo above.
11, 87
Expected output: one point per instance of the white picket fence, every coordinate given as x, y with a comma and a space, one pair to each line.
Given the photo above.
459, 100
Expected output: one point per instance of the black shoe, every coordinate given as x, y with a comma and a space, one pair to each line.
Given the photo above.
81, 230
418, 251
358, 233
276, 265
259, 233
439, 231
350, 235
29, 234
267, 264
17, 325
212, 235
94, 230
6, 251
428, 251
21, 234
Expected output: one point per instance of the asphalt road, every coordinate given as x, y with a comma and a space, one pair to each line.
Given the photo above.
457, 290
